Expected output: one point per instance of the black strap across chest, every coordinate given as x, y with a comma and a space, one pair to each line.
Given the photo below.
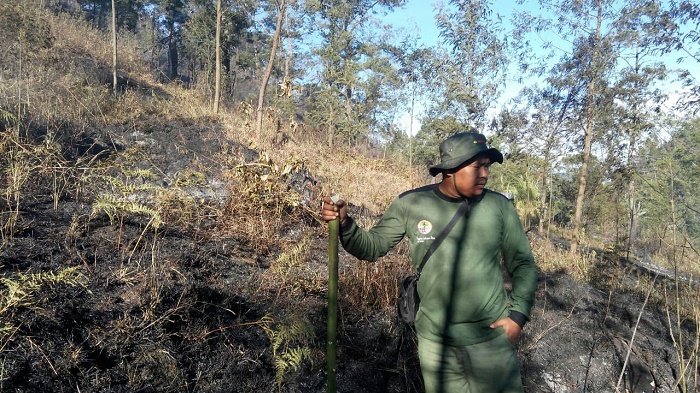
464, 208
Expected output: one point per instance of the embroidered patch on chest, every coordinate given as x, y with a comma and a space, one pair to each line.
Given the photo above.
424, 227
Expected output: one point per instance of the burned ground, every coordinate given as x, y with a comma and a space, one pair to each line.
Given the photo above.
193, 307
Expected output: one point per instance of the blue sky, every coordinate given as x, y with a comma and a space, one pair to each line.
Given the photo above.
417, 14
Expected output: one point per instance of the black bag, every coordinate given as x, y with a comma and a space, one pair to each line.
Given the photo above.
408, 299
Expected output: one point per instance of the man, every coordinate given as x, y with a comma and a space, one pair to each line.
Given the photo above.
465, 323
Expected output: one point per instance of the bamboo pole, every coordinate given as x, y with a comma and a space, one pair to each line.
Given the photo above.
333, 230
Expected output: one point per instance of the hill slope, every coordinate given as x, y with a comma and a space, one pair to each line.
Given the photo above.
146, 249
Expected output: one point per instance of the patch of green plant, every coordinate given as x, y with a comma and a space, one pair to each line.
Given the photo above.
291, 341
21, 290
292, 258
6, 119
113, 207
190, 177
123, 194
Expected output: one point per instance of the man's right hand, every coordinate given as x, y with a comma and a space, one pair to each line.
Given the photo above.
330, 211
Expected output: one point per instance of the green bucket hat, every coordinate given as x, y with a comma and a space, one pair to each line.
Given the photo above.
462, 147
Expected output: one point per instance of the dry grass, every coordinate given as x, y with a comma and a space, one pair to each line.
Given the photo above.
67, 96
261, 206
29, 171
366, 287
552, 258
687, 261
370, 182
76, 35
64, 83
681, 304
679, 299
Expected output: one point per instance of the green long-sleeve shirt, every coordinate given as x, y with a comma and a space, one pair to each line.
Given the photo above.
461, 285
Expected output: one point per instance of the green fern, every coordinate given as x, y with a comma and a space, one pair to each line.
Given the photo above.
293, 257
21, 290
112, 206
7, 117
190, 177
131, 185
290, 342
121, 197
290, 360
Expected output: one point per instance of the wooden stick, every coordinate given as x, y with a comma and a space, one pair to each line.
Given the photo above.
333, 231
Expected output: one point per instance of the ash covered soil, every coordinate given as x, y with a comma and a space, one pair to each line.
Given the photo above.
193, 307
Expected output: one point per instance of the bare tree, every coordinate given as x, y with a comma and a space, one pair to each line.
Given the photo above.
217, 88
114, 47
281, 6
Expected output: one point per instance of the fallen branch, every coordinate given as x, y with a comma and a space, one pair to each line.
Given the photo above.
634, 332
554, 326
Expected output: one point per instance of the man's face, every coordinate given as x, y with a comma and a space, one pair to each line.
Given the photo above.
471, 179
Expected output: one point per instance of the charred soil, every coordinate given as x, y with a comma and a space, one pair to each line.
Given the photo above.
193, 306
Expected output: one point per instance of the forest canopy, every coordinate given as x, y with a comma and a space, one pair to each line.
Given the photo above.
593, 102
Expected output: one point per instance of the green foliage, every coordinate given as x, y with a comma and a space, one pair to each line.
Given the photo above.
199, 38
670, 176
113, 207
21, 290
679, 37
6, 119
99, 12
518, 179
472, 77
290, 340
291, 274
123, 194
356, 71
293, 257
433, 131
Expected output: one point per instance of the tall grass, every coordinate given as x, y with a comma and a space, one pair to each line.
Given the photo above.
49, 96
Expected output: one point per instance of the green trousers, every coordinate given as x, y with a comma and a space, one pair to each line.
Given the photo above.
488, 367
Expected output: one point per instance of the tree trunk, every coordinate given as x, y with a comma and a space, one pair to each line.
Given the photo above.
290, 49
546, 187
631, 152
217, 88
348, 101
268, 69
545, 177
583, 178
172, 50
329, 130
633, 211
100, 17
410, 131
114, 47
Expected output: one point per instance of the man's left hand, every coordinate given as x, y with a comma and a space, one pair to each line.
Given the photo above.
511, 328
